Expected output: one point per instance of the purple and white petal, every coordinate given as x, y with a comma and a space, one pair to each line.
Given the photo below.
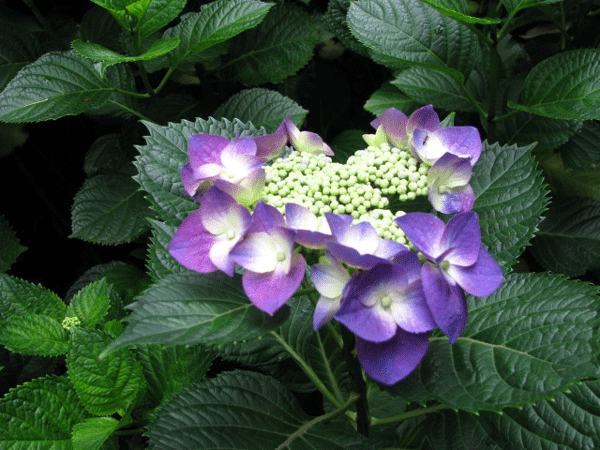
394, 123
424, 231
270, 145
452, 201
409, 261
461, 141
390, 361
424, 118
270, 291
463, 235
265, 217
325, 310
191, 244
206, 149
329, 278
446, 302
247, 191
480, 279
410, 309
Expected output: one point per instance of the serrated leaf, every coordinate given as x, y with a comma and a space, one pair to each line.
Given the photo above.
582, 151
568, 240
528, 341
18, 47
262, 107
55, 85
19, 297
513, 6
449, 430
154, 14
564, 86
195, 308
99, 26
11, 247
337, 10
40, 415
107, 57
169, 369
459, 11
509, 198
107, 386
389, 96
34, 334
411, 31
245, 410
119, 105
215, 23
160, 161
109, 209
569, 421
570, 182
279, 47
91, 434
160, 262
91, 303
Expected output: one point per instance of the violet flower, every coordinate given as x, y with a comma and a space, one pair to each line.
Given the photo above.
311, 231
330, 279
459, 263
449, 188
204, 239
304, 141
273, 272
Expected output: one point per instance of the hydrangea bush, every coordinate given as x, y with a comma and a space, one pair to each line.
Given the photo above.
417, 282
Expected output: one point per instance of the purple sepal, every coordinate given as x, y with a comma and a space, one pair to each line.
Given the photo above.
191, 244
446, 302
270, 145
462, 141
462, 234
206, 149
424, 118
394, 125
311, 231
481, 278
270, 291
265, 217
390, 361
424, 231
455, 200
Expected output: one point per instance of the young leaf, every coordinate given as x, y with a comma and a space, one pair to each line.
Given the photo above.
109, 209
98, 53
570, 421
93, 432
40, 414
279, 47
568, 240
389, 96
509, 199
215, 23
411, 31
195, 308
564, 86
262, 107
19, 298
34, 334
11, 247
91, 303
245, 410
530, 340
108, 386
55, 85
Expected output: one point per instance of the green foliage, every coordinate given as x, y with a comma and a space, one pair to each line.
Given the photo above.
11, 247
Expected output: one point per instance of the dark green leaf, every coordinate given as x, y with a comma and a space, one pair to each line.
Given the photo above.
582, 151
11, 247
389, 96
55, 85
152, 15
513, 6
449, 430
195, 308
459, 11
109, 209
18, 47
336, 17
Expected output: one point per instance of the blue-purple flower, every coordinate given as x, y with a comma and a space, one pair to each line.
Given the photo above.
330, 279
304, 141
449, 188
457, 262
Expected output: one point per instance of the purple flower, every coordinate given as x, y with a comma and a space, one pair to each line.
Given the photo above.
311, 231
330, 279
359, 245
204, 239
460, 263
304, 141
273, 272
449, 188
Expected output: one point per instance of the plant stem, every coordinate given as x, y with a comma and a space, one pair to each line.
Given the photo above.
132, 111
336, 388
407, 415
358, 382
164, 80
330, 415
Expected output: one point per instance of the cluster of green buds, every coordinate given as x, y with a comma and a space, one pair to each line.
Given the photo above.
361, 187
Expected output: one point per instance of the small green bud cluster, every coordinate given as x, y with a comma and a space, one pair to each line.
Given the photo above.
70, 322
383, 221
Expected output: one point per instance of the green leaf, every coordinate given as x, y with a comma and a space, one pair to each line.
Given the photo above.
582, 151
564, 86
215, 23
98, 53
99, 26
279, 47
34, 334
389, 96
245, 410
107, 386
459, 11
262, 107
160, 262
570, 421
449, 430
336, 17
528, 341
513, 6
570, 182
160, 160
11, 247
19, 298
40, 415
119, 105
195, 308
154, 14
91, 434
509, 199
90, 304
569, 237
55, 85
18, 47
411, 31
169, 369
109, 209
436, 88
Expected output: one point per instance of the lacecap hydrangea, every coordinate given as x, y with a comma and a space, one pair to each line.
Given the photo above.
387, 276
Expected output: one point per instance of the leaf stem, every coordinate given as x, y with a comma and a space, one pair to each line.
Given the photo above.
132, 111
407, 415
336, 388
164, 80
325, 417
